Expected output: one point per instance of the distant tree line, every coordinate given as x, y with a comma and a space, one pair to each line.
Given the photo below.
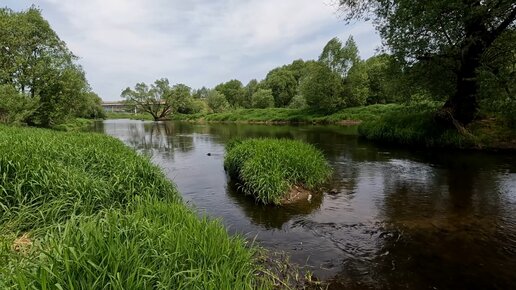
460, 53
40, 81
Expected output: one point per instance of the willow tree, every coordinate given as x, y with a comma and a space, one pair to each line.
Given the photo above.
156, 99
459, 30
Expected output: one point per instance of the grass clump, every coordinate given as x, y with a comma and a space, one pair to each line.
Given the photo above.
74, 125
83, 211
269, 168
130, 116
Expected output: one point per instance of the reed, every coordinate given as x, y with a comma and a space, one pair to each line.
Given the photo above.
269, 168
83, 211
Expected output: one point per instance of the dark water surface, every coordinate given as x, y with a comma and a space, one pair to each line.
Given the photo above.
389, 219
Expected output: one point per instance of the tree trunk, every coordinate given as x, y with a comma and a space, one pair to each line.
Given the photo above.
463, 105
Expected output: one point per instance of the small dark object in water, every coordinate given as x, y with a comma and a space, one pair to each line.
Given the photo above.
209, 154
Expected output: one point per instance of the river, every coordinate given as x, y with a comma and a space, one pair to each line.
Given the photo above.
390, 218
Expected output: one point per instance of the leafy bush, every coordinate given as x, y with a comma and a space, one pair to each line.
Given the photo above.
262, 99
269, 168
298, 102
14, 106
217, 102
323, 89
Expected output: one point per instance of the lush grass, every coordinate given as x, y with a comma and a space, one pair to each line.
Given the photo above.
269, 168
416, 125
94, 215
284, 115
74, 125
131, 116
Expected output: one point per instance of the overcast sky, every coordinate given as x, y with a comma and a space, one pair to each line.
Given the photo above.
195, 42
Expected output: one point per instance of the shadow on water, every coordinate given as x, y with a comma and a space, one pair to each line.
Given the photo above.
393, 219
269, 216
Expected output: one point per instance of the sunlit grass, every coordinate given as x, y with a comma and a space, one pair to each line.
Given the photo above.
269, 168
285, 115
96, 215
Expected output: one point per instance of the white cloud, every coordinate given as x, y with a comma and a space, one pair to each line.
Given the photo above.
198, 42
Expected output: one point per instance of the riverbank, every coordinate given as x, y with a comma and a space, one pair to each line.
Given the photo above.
406, 125
74, 125
82, 210
348, 116
130, 116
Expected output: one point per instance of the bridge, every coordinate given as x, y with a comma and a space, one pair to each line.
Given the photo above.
118, 107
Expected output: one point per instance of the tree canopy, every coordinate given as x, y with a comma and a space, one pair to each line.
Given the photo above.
461, 31
37, 64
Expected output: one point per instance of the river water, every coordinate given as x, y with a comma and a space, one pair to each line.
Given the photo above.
390, 218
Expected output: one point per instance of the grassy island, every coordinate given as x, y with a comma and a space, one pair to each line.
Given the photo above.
274, 171
83, 211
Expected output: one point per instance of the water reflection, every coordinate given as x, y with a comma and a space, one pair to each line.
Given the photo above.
268, 216
391, 219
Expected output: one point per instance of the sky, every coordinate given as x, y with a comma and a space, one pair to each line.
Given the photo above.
196, 42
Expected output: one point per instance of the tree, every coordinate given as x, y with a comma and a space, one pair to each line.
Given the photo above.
283, 85
298, 102
234, 92
462, 31
322, 89
356, 85
217, 102
263, 99
251, 88
36, 63
340, 58
201, 93
181, 100
155, 99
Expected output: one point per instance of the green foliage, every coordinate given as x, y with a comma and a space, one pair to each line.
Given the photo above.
217, 102
414, 125
298, 102
252, 87
340, 59
91, 107
160, 99
234, 92
269, 168
100, 215
323, 89
262, 99
181, 100
14, 106
356, 87
74, 125
283, 85
285, 115
35, 62
448, 40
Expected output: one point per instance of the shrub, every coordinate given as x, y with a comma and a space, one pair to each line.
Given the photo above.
217, 102
14, 106
298, 102
262, 99
269, 168
323, 89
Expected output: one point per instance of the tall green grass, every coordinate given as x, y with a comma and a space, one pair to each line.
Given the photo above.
414, 125
100, 216
284, 115
269, 168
